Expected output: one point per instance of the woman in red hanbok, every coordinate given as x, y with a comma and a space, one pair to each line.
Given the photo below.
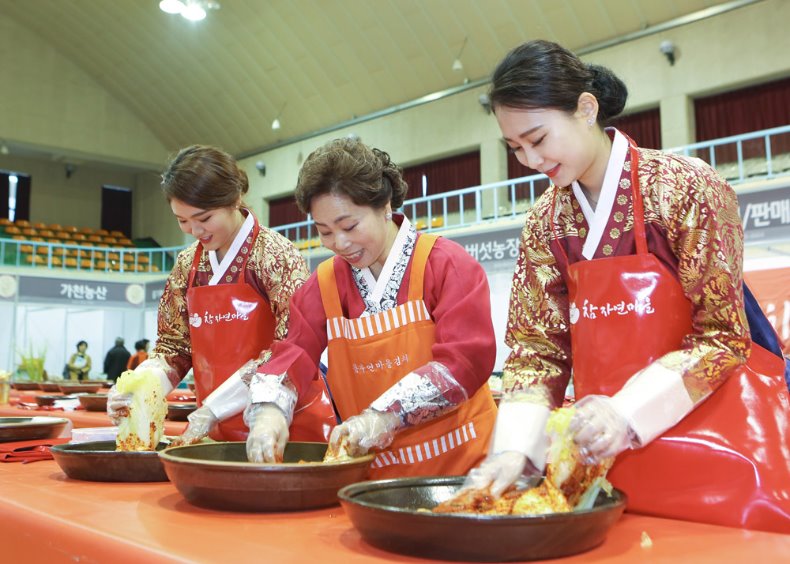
225, 300
630, 277
405, 318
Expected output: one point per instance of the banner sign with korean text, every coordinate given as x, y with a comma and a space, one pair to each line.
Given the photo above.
492, 249
80, 292
765, 214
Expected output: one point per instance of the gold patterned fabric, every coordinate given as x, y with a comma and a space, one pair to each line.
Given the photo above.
275, 268
693, 227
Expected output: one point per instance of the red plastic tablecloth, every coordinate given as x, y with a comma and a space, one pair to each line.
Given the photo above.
47, 517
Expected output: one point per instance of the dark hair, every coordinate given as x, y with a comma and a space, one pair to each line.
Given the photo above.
204, 177
140, 345
349, 167
82, 343
542, 74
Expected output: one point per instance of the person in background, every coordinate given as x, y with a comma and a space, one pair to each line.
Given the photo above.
225, 300
406, 320
79, 364
630, 276
140, 355
115, 360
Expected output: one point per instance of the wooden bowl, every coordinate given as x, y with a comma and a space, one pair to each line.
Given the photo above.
79, 388
25, 385
49, 386
99, 462
45, 400
93, 402
218, 476
395, 515
180, 411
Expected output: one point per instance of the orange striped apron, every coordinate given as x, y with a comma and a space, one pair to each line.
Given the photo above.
368, 355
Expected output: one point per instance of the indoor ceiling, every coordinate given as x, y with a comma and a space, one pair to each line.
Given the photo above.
311, 63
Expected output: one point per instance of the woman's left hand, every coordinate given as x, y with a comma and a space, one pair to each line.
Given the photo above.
599, 429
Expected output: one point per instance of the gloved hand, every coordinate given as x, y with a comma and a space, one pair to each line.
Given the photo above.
600, 430
370, 429
268, 433
118, 405
201, 422
499, 472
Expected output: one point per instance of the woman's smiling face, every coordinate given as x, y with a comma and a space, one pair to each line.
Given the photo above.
550, 141
358, 234
214, 228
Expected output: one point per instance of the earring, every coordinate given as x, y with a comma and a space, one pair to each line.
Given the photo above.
590, 122
388, 216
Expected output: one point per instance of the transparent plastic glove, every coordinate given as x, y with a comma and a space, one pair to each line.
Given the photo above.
360, 433
499, 472
201, 422
268, 433
600, 430
118, 405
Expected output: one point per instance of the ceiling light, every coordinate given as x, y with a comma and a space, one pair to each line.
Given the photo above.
172, 6
458, 66
194, 12
276, 122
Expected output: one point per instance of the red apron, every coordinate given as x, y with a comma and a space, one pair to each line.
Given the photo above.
728, 461
231, 324
368, 355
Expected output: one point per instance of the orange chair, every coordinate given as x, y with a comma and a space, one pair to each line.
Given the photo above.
437, 222
26, 249
143, 259
65, 235
5, 221
117, 234
22, 223
86, 230
70, 262
86, 263
113, 256
95, 238
101, 232
29, 231
110, 240
70, 228
79, 237
56, 261
13, 230
35, 260
38, 225
46, 233
55, 227
42, 250
19, 238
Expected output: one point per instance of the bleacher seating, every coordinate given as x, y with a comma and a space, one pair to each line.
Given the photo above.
54, 245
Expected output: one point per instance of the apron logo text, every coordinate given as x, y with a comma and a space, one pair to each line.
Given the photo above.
388, 364
640, 306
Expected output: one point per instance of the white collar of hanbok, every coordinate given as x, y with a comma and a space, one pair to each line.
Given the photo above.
218, 268
598, 218
378, 286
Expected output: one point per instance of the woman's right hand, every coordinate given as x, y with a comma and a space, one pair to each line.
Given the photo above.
268, 433
499, 472
118, 405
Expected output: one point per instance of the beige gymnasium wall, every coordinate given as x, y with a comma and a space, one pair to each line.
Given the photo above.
744, 46
51, 103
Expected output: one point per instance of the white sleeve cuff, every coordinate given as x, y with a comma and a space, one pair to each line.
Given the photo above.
229, 399
521, 426
154, 366
653, 401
